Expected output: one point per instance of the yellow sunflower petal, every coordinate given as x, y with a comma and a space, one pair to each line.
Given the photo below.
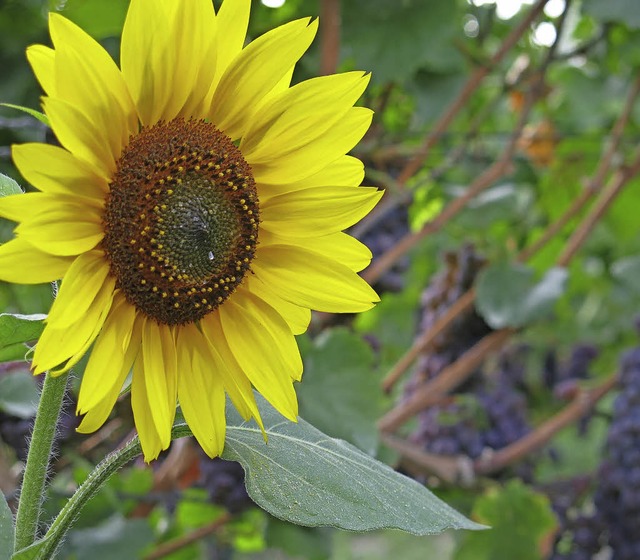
346, 171
160, 376
300, 115
66, 346
312, 280
112, 356
42, 60
78, 134
232, 21
201, 392
255, 72
338, 246
22, 263
224, 363
298, 318
88, 78
81, 284
317, 211
25, 207
69, 230
311, 158
264, 347
150, 440
161, 77
143, 46
53, 169
97, 416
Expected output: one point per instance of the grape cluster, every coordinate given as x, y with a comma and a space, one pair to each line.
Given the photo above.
224, 481
617, 496
446, 287
392, 227
580, 538
491, 416
561, 378
488, 412
614, 522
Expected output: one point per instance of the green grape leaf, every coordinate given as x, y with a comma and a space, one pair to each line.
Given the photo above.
8, 186
423, 37
627, 271
305, 477
509, 296
338, 395
521, 522
36, 114
19, 394
6, 529
16, 328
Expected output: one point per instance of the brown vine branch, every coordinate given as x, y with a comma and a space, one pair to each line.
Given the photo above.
584, 401
454, 469
465, 302
469, 88
449, 378
458, 371
329, 36
616, 136
172, 546
607, 196
556, 227
460, 306
442, 466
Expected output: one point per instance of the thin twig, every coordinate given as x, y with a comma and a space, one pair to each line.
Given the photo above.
584, 401
465, 302
469, 88
455, 468
172, 546
442, 466
616, 135
458, 371
329, 36
556, 227
496, 171
607, 196
460, 306
449, 378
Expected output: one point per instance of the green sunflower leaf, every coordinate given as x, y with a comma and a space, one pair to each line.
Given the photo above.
6, 529
8, 186
16, 328
305, 477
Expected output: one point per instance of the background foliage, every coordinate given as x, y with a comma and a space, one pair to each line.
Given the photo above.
507, 256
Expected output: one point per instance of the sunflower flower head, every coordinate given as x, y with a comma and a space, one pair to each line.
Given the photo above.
194, 211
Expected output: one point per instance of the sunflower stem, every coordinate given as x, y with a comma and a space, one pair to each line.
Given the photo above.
47, 547
38, 458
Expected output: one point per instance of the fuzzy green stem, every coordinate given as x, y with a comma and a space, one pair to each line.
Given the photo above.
35, 472
47, 547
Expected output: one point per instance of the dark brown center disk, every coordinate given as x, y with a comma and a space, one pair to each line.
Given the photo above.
181, 220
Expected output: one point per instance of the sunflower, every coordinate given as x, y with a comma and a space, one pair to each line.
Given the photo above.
194, 211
